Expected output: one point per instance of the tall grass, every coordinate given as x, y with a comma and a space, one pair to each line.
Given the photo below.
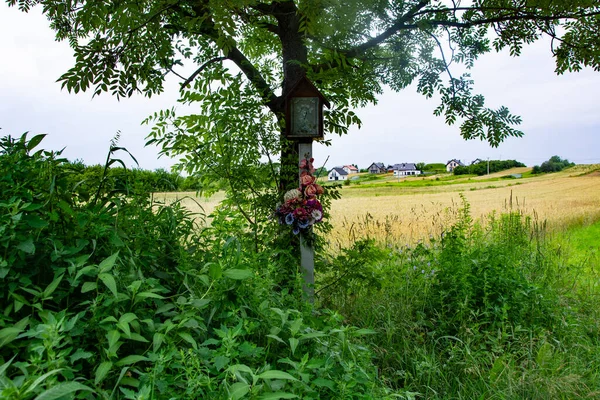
501, 310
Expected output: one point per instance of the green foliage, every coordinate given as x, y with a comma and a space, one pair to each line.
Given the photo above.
554, 164
435, 168
481, 168
499, 310
121, 298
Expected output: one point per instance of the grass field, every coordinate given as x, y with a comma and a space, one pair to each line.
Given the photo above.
415, 208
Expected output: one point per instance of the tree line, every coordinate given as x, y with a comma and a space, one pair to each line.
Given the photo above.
481, 168
86, 179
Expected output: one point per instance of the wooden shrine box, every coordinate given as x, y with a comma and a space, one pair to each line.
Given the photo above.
304, 112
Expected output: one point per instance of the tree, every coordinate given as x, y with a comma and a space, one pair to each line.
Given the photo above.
247, 54
554, 164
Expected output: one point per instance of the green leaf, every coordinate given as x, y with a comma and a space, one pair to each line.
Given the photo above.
79, 354
131, 360
320, 382
41, 379
113, 337
364, 331
88, 287
238, 390
293, 344
127, 318
35, 222
276, 374
239, 367
5, 366
9, 334
200, 303
61, 390
312, 335
110, 283
144, 295
157, 340
278, 395
107, 264
52, 286
215, 271
27, 246
238, 274
188, 338
221, 362
90, 270
34, 141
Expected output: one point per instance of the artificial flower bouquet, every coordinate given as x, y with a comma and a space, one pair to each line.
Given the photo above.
301, 209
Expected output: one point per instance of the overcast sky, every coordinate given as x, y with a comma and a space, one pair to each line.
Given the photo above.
560, 113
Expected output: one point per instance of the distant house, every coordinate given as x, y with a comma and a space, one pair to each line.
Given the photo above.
406, 169
337, 174
450, 165
476, 161
390, 168
350, 169
376, 168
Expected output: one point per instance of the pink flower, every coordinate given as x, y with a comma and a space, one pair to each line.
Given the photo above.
307, 179
304, 163
310, 191
320, 189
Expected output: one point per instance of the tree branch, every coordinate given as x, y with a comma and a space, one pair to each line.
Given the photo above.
234, 54
402, 25
202, 68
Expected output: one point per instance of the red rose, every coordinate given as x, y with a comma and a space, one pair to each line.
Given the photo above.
320, 189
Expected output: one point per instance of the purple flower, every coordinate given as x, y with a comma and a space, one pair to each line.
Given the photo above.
303, 224
289, 219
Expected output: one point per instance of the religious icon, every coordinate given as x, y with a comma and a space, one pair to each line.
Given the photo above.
305, 116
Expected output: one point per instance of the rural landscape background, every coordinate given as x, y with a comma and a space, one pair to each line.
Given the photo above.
412, 209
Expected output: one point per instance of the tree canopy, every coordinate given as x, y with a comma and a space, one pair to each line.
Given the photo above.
247, 54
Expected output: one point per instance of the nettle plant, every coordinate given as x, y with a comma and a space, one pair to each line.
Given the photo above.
117, 297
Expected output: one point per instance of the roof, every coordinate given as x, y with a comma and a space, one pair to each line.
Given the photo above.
456, 161
405, 167
379, 165
339, 170
350, 167
304, 84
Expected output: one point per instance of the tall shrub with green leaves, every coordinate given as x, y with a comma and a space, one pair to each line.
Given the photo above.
116, 297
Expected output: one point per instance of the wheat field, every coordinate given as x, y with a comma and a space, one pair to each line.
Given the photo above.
409, 214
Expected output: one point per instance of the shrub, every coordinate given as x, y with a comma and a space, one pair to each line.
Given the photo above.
481, 168
116, 297
554, 164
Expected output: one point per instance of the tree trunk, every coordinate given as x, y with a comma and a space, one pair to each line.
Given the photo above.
295, 58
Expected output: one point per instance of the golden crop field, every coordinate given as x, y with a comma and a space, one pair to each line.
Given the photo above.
408, 214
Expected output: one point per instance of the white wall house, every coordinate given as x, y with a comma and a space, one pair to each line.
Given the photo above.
406, 169
350, 169
337, 174
450, 165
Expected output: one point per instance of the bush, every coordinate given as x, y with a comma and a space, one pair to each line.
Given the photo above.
481, 168
554, 164
485, 311
116, 297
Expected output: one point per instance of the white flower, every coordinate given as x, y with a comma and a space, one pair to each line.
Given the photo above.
316, 214
292, 194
